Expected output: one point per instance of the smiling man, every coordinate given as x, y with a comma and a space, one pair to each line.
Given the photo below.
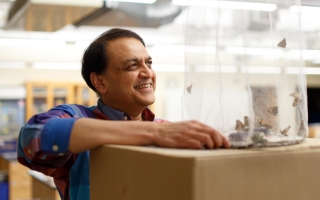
118, 68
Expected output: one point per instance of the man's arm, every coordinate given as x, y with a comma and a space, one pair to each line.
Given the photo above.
90, 133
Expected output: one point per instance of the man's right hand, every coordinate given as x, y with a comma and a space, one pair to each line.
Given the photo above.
189, 134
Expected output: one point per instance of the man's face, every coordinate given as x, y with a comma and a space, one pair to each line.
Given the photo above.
129, 78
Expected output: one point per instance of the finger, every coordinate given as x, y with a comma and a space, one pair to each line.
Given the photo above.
215, 135
225, 142
205, 139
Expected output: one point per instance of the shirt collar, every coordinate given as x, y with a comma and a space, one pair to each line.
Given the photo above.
114, 114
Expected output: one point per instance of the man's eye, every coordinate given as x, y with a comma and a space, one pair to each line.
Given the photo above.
132, 66
149, 63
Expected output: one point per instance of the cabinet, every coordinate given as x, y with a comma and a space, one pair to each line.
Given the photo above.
85, 96
43, 96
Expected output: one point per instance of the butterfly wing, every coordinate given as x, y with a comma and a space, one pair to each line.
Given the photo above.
189, 88
282, 43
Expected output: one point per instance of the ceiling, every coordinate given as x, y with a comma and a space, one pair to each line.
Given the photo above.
159, 24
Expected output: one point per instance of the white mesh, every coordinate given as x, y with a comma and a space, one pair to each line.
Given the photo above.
246, 68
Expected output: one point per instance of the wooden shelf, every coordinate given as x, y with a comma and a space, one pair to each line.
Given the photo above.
41, 96
47, 92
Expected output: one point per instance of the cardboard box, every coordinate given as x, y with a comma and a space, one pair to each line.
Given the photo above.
151, 173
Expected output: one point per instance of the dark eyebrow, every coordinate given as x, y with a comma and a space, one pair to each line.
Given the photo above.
134, 59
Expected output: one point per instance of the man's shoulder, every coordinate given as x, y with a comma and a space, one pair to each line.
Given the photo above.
75, 109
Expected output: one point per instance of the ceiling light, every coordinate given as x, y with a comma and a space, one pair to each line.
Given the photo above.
311, 10
168, 68
300, 70
252, 51
82, 44
220, 69
12, 65
260, 69
135, 1
31, 43
227, 4
176, 48
57, 65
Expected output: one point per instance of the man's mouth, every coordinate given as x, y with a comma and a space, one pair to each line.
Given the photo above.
143, 86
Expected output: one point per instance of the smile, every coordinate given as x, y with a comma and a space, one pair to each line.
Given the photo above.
143, 86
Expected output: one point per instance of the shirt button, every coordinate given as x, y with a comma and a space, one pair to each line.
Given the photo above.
55, 147
29, 151
125, 118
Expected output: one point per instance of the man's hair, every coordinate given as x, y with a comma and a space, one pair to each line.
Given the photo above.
95, 58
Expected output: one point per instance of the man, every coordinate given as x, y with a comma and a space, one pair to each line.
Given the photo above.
119, 69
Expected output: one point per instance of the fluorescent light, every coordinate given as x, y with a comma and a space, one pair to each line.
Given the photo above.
261, 69
82, 44
311, 10
307, 54
57, 65
168, 68
206, 68
135, 1
227, 4
252, 51
169, 48
307, 70
12, 65
292, 53
221, 69
31, 43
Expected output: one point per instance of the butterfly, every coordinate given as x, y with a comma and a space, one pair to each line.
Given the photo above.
239, 125
243, 126
273, 110
246, 121
282, 43
189, 88
296, 100
285, 131
262, 123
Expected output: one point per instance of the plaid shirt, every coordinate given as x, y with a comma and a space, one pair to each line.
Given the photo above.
43, 146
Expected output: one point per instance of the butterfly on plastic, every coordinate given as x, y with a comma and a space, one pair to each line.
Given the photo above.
189, 88
282, 43
273, 110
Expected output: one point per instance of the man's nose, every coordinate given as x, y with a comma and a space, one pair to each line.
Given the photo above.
146, 71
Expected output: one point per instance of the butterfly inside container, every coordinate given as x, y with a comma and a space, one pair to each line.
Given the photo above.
296, 97
285, 131
189, 88
273, 110
262, 123
243, 126
282, 43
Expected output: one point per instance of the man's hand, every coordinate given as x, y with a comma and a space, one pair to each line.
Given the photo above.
189, 134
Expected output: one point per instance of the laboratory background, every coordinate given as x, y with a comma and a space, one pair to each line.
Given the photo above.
42, 43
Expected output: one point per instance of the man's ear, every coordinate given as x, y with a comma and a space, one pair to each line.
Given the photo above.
98, 82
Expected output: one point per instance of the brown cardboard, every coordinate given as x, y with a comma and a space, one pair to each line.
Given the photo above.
150, 173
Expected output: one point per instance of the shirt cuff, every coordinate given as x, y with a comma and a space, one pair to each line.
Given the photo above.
56, 135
